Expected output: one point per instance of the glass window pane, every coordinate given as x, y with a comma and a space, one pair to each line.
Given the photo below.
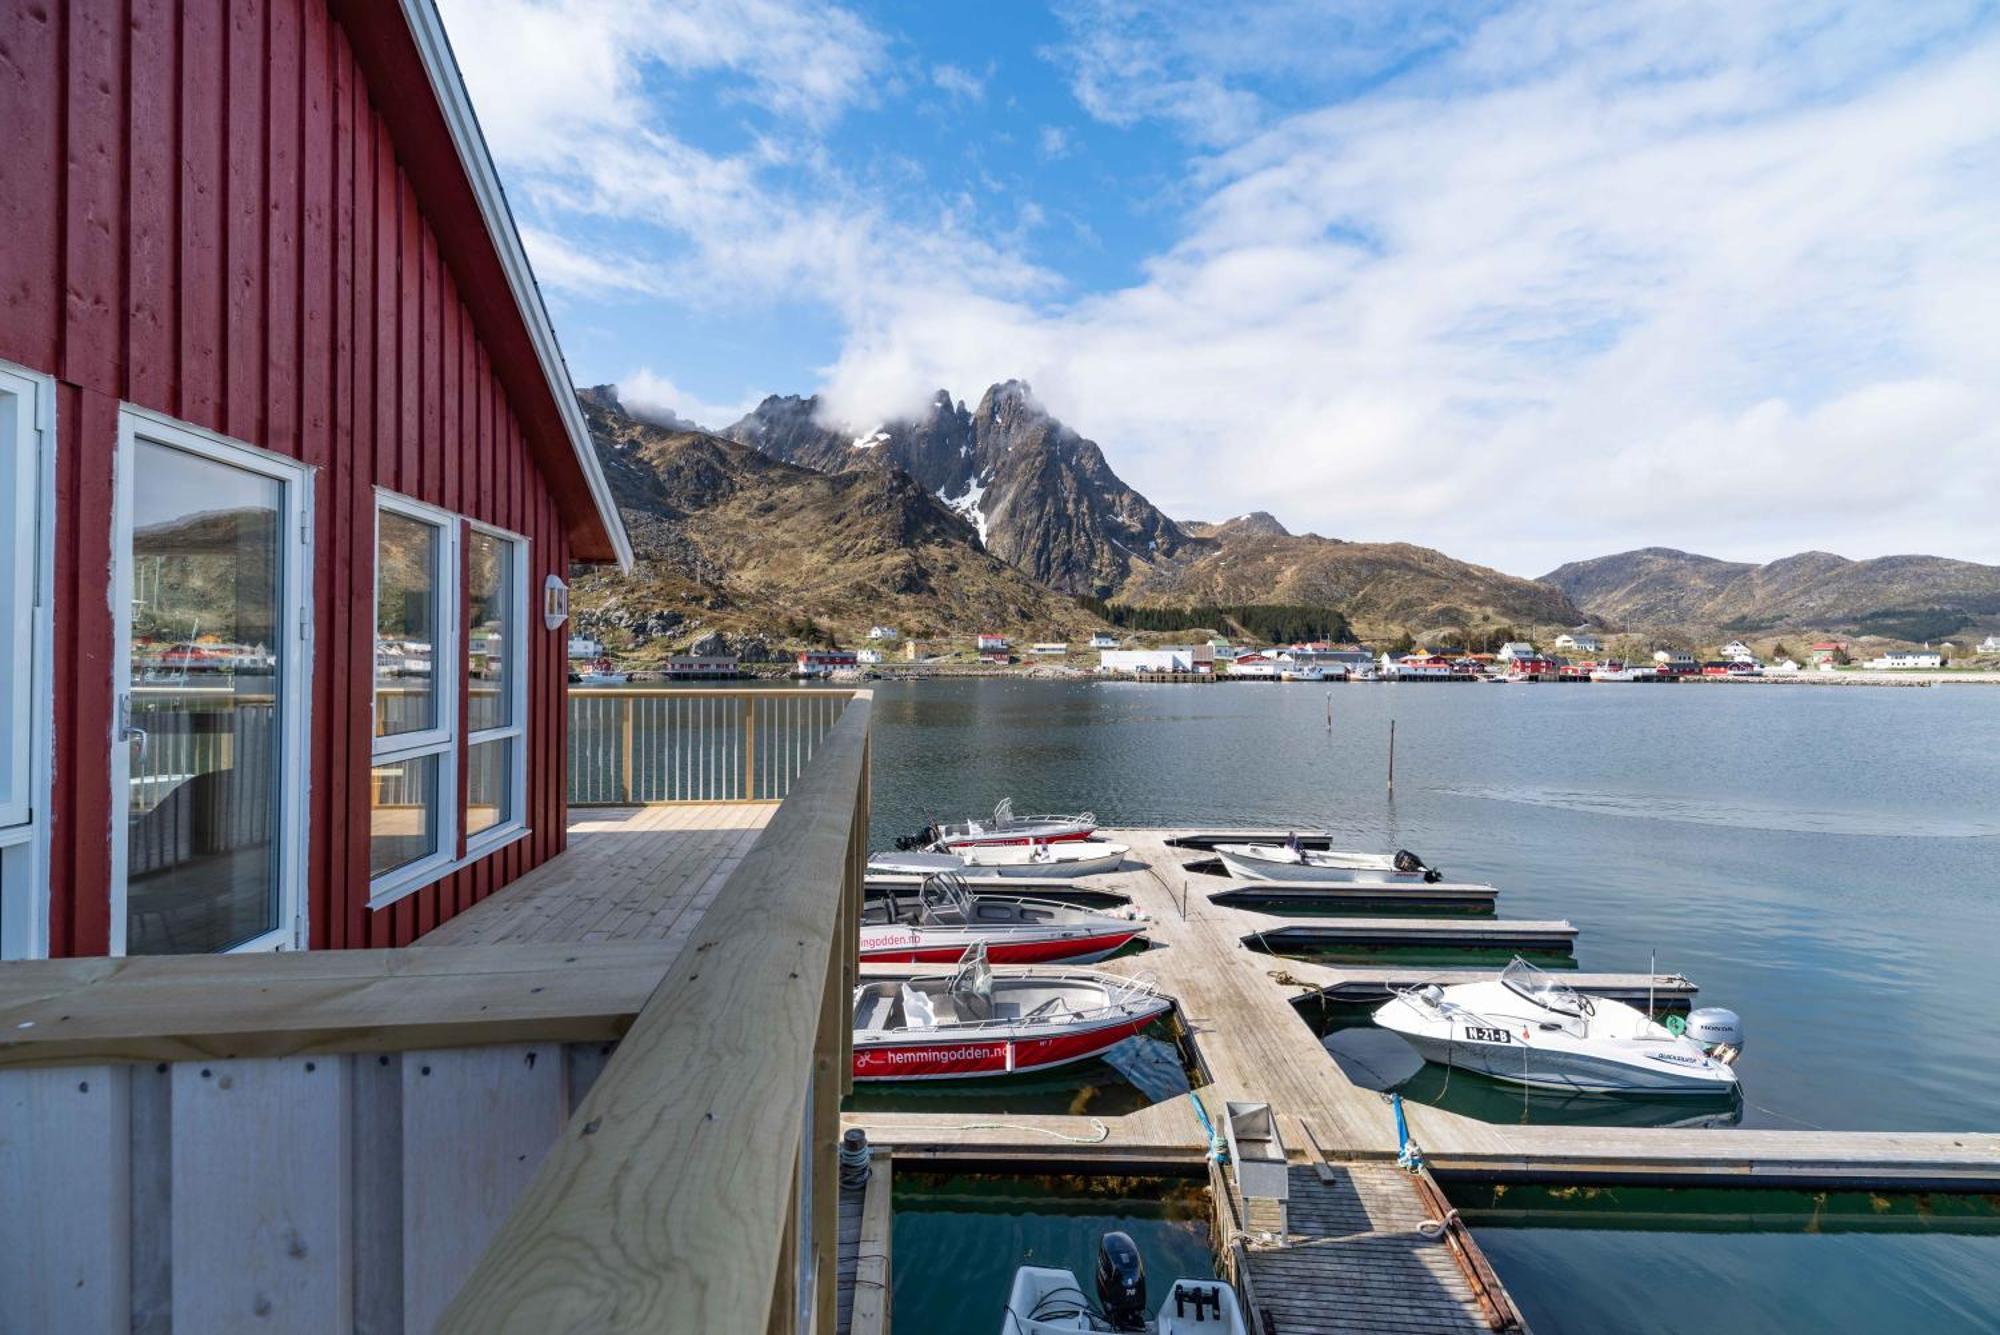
490, 651
403, 810
17, 475
489, 789
406, 612
202, 806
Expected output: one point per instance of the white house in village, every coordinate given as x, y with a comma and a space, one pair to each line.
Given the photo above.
1990, 645
1104, 639
1738, 652
867, 655
1514, 649
884, 633
1048, 649
1165, 658
1896, 659
1580, 642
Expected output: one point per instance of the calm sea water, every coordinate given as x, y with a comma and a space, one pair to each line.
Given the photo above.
1824, 861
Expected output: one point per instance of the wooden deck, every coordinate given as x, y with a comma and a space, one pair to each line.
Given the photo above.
629, 874
1354, 1257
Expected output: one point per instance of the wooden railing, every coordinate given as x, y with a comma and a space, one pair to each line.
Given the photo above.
696, 1187
654, 745
595, 1136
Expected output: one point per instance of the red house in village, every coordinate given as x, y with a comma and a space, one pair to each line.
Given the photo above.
290, 468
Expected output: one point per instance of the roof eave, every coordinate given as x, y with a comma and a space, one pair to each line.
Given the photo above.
433, 47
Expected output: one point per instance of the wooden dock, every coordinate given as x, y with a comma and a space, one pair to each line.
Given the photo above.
1281, 935
863, 1275
1303, 896
1237, 1004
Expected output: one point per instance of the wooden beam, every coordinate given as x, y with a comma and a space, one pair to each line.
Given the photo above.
663, 1204
187, 1008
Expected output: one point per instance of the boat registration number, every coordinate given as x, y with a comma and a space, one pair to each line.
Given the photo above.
1480, 1034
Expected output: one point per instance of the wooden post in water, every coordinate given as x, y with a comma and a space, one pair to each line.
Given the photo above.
1392, 755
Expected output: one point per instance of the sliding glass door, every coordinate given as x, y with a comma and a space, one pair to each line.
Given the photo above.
212, 553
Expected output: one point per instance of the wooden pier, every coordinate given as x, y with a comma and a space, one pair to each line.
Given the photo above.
1237, 1005
1275, 896
1280, 935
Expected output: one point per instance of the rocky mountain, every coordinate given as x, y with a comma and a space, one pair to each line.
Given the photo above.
1898, 597
1045, 500
731, 539
1041, 496
1384, 588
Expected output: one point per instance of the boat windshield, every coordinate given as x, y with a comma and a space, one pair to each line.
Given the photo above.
1003, 813
1540, 987
945, 899
972, 984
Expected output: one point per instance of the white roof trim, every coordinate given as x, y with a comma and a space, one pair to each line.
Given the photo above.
427, 30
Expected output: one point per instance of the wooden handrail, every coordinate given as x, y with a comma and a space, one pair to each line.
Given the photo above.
672, 1200
194, 1007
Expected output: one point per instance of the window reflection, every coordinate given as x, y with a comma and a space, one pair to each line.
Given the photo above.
490, 582
406, 608
489, 793
402, 818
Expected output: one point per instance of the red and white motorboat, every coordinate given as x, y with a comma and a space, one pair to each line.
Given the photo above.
1007, 828
970, 1023
938, 923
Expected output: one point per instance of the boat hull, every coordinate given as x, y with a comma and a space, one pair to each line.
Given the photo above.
1571, 1072
1073, 858
947, 1058
1002, 838
922, 945
1251, 868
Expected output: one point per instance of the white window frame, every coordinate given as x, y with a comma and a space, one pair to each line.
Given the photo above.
28, 416
293, 931
516, 729
447, 667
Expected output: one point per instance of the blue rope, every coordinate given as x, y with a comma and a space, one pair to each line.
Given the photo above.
1218, 1147
1408, 1157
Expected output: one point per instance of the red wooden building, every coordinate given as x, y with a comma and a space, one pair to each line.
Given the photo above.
288, 454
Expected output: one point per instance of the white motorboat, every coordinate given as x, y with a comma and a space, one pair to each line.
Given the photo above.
1048, 1301
1291, 862
1529, 1028
1615, 671
1006, 828
935, 926
1079, 857
969, 1023
1303, 674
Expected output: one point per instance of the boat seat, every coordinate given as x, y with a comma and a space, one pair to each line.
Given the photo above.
876, 1010
918, 1012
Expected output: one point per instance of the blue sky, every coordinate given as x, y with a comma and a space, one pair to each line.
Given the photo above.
1526, 282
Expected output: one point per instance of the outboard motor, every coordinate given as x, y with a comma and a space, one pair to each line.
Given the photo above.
916, 843
1121, 1281
1409, 863
1718, 1031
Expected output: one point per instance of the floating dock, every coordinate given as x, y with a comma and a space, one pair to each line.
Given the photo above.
1305, 896
1237, 1005
1277, 936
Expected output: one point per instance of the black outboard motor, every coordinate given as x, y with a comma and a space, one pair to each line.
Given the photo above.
1121, 1281
922, 839
1409, 863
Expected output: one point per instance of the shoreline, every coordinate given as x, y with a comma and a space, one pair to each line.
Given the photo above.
1050, 672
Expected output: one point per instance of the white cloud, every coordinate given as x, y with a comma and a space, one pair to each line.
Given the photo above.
653, 397
1716, 276
1721, 283
958, 82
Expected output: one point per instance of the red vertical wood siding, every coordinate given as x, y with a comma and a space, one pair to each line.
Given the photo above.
203, 212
